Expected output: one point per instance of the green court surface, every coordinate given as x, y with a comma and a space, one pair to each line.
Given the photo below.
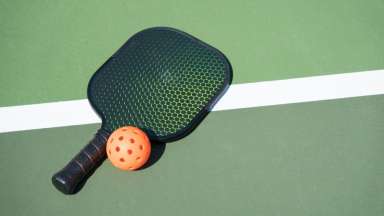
315, 158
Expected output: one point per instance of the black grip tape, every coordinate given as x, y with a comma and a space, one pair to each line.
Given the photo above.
75, 173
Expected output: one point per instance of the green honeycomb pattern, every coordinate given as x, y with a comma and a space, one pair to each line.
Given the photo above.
158, 81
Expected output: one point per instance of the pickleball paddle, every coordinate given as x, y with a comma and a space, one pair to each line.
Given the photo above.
163, 81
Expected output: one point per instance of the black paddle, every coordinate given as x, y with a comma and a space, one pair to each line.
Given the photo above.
161, 80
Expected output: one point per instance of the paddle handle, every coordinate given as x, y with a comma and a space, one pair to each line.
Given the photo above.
75, 173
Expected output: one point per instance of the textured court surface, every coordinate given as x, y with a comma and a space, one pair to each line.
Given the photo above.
317, 158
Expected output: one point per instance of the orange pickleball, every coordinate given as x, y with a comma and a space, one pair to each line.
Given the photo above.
128, 148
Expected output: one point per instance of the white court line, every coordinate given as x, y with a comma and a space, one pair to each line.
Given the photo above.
316, 88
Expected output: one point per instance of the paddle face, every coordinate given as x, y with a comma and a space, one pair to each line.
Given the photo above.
161, 80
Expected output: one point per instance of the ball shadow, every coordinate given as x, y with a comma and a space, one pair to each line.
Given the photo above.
157, 150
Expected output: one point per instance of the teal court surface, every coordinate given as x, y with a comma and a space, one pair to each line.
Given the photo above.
300, 131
